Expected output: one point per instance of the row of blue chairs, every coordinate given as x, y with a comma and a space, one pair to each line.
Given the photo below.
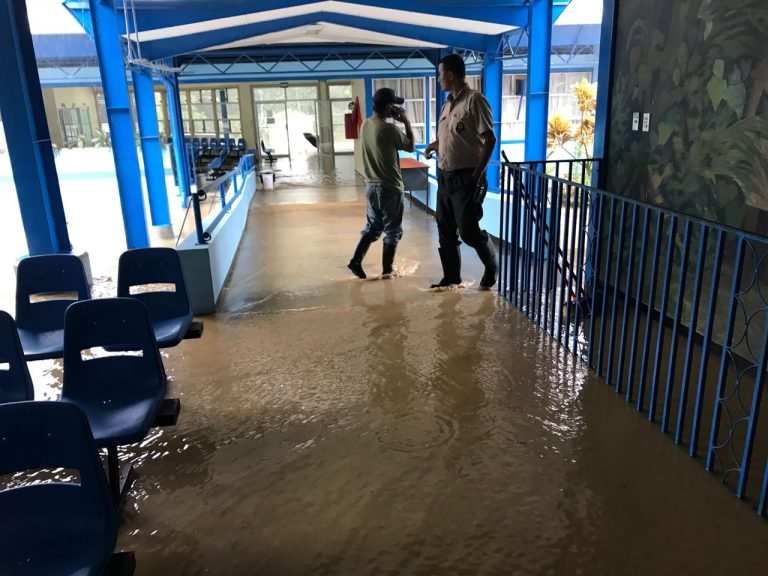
113, 392
214, 145
47, 285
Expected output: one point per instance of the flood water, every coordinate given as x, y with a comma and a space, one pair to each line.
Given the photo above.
332, 426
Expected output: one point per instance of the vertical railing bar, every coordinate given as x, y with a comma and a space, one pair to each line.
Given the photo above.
638, 305
516, 232
754, 414
616, 286
692, 324
723, 373
569, 294
529, 193
651, 309
596, 277
553, 212
761, 506
552, 259
540, 235
565, 267
580, 258
669, 262
502, 229
677, 325
627, 299
707, 343
606, 286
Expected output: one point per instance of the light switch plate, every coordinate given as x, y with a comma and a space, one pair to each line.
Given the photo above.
646, 122
635, 121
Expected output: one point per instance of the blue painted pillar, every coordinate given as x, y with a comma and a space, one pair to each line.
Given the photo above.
493, 77
177, 138
151, 150
368, 97
26, 131
537, 104
108, 48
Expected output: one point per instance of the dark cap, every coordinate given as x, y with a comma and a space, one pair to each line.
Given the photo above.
386, 96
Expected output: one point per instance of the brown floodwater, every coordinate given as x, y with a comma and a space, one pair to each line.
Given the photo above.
332, 426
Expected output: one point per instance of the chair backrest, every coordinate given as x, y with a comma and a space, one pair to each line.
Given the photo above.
204, 143
50, 435
223, 143
241, 144
117, 324
214, 144
152, 266
51, 276
231, 143
263, 148
15, 382
195, 142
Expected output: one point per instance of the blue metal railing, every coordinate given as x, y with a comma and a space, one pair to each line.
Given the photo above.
669, 309
231, 181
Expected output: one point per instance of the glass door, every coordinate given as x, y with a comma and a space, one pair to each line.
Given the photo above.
273, 126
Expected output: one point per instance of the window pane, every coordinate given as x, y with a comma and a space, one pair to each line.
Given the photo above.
206, 96
267, 94
230, 111
233, 95
302, 93
340, 91
474, 82
385, 83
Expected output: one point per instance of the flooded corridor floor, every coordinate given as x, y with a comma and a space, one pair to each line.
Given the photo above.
332, 426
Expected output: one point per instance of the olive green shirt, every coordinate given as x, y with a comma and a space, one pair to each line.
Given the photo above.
463, 120
381, 163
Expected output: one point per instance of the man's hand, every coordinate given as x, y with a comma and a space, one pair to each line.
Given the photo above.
430, 150
399, 114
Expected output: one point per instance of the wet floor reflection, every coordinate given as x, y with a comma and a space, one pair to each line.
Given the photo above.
337, 426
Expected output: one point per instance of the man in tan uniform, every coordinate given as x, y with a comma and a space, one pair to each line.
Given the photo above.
464, 146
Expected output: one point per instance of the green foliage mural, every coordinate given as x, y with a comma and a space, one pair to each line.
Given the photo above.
700, 67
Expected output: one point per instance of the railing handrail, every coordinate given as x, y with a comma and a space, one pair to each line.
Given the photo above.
641, 203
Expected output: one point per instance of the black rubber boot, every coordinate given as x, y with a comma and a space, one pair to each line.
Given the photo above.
356, 264
487, 255
451, 260
387, 258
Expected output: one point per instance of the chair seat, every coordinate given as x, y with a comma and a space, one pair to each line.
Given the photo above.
50, 535
117, 421
169, 333
42, 345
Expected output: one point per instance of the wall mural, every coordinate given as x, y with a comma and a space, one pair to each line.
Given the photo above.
700, 67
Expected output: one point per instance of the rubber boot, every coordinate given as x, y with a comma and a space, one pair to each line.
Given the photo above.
487, 254
387, 258
451, 261
356, 264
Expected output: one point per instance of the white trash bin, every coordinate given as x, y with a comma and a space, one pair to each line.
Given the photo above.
268, 178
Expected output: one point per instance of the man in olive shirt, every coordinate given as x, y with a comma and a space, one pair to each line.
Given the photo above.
384, 191
464, 146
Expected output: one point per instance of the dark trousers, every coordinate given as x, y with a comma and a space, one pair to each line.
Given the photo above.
384, 214
458, 215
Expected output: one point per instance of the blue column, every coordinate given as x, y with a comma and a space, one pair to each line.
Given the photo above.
151, 149
26, 131
368, 97
177, 138
108, 48
493, 71
607, 36
539, 54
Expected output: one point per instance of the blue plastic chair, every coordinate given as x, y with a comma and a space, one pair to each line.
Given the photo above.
15, 382
241, 144
41, 324
54, 528
204, 145
122, 392
170, 312
223, 144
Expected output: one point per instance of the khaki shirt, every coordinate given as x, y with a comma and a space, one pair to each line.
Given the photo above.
462, 121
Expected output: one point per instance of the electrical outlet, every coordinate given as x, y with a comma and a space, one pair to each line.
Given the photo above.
647, 122
635, 121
